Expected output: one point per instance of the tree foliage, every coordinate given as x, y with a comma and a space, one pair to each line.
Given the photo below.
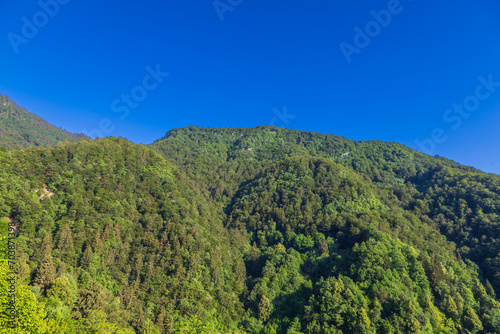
261, 230
21, 129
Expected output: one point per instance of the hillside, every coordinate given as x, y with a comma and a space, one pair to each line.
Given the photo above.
459, 203
21, 129
111, 235
262, 230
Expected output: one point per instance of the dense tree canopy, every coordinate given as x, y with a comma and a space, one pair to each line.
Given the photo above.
20, 128
261, 230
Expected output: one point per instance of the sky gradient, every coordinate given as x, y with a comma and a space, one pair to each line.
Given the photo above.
417, 72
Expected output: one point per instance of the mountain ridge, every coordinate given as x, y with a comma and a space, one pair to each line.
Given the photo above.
21, 129
249, 230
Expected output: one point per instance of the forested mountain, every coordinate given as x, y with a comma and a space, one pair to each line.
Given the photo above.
262, 230
21, 129
422, 199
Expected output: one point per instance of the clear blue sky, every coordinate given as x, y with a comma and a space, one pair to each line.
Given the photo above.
76, 66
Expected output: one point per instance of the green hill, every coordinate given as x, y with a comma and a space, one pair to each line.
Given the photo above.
21, 129
460, 204
111, 233
262, 230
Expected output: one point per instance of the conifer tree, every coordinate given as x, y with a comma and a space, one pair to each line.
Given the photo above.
89, 299
87, 257
264, 309
324, 248
471, 321
255, 253
47, 245
451, 308
46, 274
489, 289
414, 326
65, 244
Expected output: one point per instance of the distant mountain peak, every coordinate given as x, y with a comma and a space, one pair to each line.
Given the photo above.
21, 129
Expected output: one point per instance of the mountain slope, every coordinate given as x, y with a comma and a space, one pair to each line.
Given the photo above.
207, 153
335, 258
21, 129
264, 230
431, 195
111, 233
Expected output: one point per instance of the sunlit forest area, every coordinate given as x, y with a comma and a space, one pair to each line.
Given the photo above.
233, 230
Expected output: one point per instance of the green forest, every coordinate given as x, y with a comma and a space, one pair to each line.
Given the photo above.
246, 230
22, 129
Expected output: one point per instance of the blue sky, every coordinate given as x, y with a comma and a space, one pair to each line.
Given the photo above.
389, 70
